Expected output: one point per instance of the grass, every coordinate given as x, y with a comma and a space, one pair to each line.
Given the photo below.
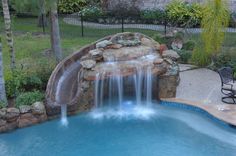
30, 43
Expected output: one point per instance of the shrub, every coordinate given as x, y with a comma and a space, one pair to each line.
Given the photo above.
189, 45
29, 79
159, 38
153, 15
185, 55
28, 98
226, 58
200, 57
91, 11
184, 14
2, 104
25, 6
71, 6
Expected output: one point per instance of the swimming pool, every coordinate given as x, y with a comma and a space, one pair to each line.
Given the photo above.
153, 130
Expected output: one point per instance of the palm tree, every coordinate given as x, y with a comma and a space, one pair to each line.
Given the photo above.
3, 97
55, 31
9, 35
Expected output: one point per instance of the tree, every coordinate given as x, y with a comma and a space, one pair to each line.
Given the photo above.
3, 97
55, 31
32, 7
214, 23
9, 35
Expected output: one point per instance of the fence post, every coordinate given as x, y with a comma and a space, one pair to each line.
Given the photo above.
165, 23
82, 25
122, 24
43, 20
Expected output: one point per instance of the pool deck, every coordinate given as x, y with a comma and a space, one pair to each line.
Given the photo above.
202, 88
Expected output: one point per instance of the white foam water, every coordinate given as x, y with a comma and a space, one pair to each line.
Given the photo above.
126, 111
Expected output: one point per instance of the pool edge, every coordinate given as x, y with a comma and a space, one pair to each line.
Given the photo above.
222, 112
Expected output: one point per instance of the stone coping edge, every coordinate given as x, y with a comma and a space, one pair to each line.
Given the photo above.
226, 117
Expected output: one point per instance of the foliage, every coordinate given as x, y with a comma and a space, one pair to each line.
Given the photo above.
25, 6
91, 11
71, 6
153, 14
29, 79
185, 55
226, 58
28, 98
214, 22
184, 14
199, 57
189, 45
2, 104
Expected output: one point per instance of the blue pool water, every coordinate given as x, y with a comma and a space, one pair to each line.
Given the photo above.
131, 131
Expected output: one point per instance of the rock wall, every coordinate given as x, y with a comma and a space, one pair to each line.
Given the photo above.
12, 118
150, 4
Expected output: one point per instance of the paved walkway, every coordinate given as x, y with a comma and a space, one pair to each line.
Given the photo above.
76, 21
201, 88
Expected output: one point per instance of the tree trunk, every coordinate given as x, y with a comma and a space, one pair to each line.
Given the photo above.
9, 35
42, 18
55, 32
3, 97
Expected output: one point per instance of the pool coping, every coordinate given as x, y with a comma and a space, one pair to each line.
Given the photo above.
222, 112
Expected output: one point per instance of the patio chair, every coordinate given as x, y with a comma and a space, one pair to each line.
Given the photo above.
228, 85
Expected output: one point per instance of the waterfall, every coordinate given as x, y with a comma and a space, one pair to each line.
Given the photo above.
96, 96
138, 85
64, 120
112, 87
149, 85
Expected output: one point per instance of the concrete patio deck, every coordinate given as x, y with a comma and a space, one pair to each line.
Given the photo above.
201, 88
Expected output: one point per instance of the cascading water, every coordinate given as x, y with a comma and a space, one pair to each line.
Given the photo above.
64, 120
149, 85
142, 87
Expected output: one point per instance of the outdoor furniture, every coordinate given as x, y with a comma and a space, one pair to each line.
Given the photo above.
228, 85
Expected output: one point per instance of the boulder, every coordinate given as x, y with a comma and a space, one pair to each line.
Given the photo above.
24, 109
114, 46
158, 61
148, 42
177, 44
2, 122
38, 108
12, 114
171, 54
88, 64
26, 120
95, 52
3, 113
103, 44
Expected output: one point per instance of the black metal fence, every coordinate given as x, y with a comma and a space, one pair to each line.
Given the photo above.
76, 25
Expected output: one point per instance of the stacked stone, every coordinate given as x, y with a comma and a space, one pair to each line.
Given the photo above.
12, 118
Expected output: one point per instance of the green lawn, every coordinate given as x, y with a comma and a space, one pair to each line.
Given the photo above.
31, 44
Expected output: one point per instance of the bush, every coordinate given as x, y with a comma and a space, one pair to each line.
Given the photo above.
29, 79
25, 6
226, 58
189, 45
91, 11
2, 104
185, 55
158, 15
184, 14
71, 6
200, 57
28, 98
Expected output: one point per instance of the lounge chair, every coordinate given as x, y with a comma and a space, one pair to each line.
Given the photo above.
228, 85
